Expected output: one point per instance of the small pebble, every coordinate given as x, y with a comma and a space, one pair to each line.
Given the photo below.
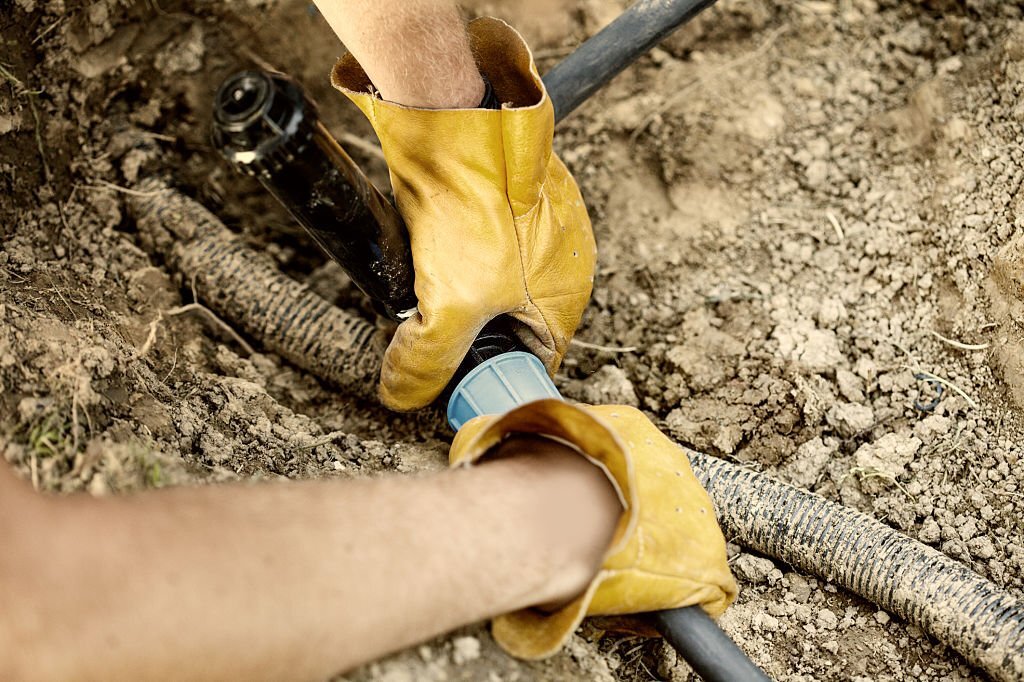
753, 569
465, 649
827, 620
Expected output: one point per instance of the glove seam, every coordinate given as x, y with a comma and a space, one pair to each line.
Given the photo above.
655, 574
550, 341
373, 113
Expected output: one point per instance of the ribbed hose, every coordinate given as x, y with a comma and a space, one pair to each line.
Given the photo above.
243, 287
925, 587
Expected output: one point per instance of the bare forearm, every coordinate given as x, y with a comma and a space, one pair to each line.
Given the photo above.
298, 580
415, 52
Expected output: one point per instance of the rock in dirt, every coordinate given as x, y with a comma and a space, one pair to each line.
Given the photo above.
753, 569
849, 419
607, 386
183, 54
800, 587
816, 175
766, 622
930, 532
708, 424
827, 620
106, 57
465, 649
815, 397
850, 385
885, 460
912, 38
809, 463
813, 349
981, 547
705, 359
932, 428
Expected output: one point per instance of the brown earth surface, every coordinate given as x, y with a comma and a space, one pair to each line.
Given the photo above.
802, 209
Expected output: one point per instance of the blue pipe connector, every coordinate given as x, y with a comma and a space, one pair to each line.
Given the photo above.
498, 385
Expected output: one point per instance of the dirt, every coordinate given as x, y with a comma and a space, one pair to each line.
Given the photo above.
808, 216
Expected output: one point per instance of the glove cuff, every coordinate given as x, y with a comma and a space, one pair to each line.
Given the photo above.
531, 633
501, 55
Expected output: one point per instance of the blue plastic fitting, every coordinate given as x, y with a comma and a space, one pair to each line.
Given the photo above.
498, 385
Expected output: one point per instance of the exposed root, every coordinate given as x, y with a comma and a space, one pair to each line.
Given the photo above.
835, 225
945, 382
958, 344
47, 173
867, 473
188, 308
605, 349
106, 185
325, 440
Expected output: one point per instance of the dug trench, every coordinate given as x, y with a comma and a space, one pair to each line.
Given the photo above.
801, 209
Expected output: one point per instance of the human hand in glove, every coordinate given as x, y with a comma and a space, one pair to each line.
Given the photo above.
496, 222
667, 550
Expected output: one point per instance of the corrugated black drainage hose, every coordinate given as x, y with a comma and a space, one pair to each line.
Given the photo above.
903, 576
247, 289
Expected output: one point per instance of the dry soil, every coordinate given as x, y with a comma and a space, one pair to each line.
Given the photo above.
807, 214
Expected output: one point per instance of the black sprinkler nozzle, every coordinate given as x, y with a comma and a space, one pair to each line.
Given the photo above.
267, 128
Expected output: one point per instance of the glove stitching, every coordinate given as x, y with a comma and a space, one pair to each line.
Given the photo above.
640, 572
373, 111
550, 341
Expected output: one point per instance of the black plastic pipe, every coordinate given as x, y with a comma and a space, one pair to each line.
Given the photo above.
266, 127
710, 653
708, 650
602, 57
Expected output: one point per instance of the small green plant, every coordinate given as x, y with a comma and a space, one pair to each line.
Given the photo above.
147, 466
50, 436
154, 474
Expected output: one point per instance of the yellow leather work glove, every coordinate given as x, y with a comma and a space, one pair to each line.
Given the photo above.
667, 550
496, 222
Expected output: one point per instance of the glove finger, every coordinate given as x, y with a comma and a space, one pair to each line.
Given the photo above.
423, 356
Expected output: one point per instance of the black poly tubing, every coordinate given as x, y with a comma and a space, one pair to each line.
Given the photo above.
602, 57
709, 651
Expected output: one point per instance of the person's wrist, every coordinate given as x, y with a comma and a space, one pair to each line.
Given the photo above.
464, 89
574, 511
469, 91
